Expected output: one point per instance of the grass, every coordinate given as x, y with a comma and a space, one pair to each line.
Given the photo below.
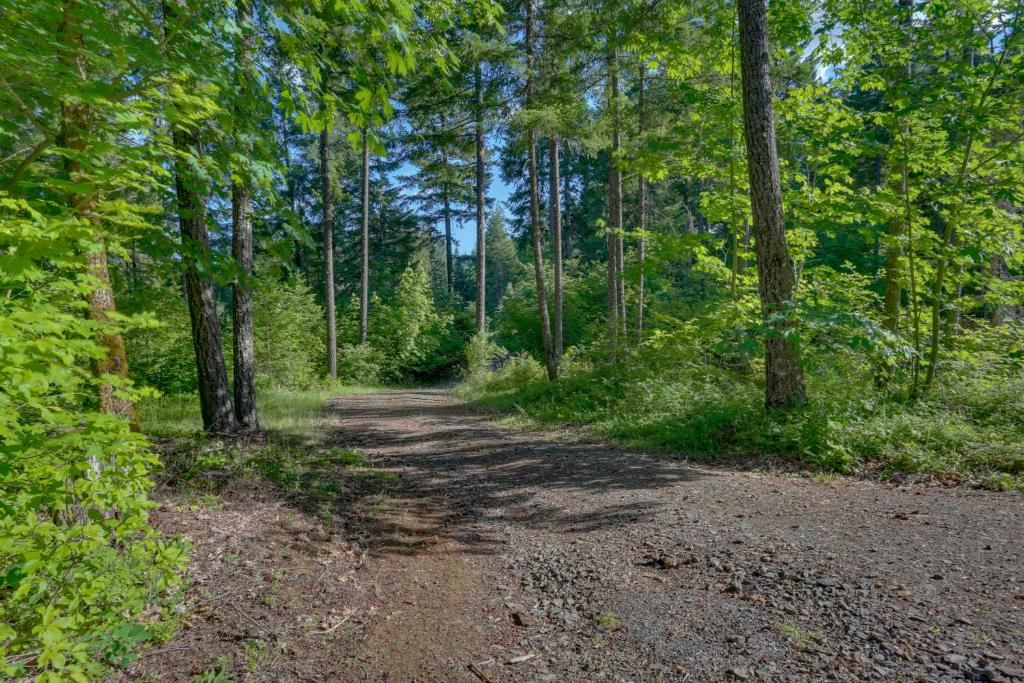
800, 638
969, 428
294, 453
281, 411
609, 621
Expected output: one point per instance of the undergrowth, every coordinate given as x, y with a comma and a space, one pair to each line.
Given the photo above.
668, 395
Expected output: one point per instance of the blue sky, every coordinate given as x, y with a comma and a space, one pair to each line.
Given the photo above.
465, 234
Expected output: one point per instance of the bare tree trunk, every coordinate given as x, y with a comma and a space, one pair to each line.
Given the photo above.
641, 209
481, 229
115, 360
620, 251
243, 354
556, 243
447, 209
538, 254
75, 121
242, 320
364, 272
328, 228
614, 201
290, 184
784, 380
215, 398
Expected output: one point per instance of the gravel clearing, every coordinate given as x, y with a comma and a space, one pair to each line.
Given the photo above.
504, 555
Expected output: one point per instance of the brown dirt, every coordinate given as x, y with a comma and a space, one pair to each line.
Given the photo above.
502, 555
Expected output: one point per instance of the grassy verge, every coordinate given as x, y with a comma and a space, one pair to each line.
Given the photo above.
284, 412
969, 429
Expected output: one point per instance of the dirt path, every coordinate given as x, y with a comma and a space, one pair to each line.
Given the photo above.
502, 555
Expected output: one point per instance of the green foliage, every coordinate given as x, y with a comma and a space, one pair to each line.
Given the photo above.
281, 411
161, 352
289, 345
80, 567
409, 339
676, 393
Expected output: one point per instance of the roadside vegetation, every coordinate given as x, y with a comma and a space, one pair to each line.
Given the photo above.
792, 229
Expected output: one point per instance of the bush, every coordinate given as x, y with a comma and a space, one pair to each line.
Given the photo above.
288, 335
81, 570
675, 392
160, 353
359, 364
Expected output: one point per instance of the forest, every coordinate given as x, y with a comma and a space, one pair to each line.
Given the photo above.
298, 249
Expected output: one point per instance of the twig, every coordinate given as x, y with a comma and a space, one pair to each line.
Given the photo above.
239, 610
479, 674
330, 630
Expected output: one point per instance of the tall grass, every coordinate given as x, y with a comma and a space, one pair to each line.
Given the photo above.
970, 427
287, 412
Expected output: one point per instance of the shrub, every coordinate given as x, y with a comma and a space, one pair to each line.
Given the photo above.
289, 346
80, 567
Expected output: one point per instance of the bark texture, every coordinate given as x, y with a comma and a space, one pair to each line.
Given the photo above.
75, 123
481, 229
215, 398
616, 284
641, 207
784, 380
243, 354
242, 321
446, 207
556, 243
328, 228
538, 257
364, 270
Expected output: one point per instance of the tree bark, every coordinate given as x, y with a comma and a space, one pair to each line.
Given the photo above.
641, 208
242, 318
784, 380
446, 207
328, 228
481, 234
614, 201
75, 123
556, 243
619, 239
364, 271
215, 398
538, 256
243, 353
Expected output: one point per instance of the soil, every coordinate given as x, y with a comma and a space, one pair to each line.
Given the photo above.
504, 555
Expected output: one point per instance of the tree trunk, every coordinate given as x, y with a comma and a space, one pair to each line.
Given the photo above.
215, 398
241, 249
364, 271
614, 200
538, 256
556, 243
619, 241
481, 235
328, 228
241, 294
75, 121
449, 265
641, 210
784, 380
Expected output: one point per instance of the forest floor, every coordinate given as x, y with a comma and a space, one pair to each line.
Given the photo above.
424, 542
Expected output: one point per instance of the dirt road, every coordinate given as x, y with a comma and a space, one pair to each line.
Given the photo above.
503, 555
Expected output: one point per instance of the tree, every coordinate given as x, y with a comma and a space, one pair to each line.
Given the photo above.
241, 247
215, 398
481, 174
327, 223
551, 362
364, 270
784, 381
